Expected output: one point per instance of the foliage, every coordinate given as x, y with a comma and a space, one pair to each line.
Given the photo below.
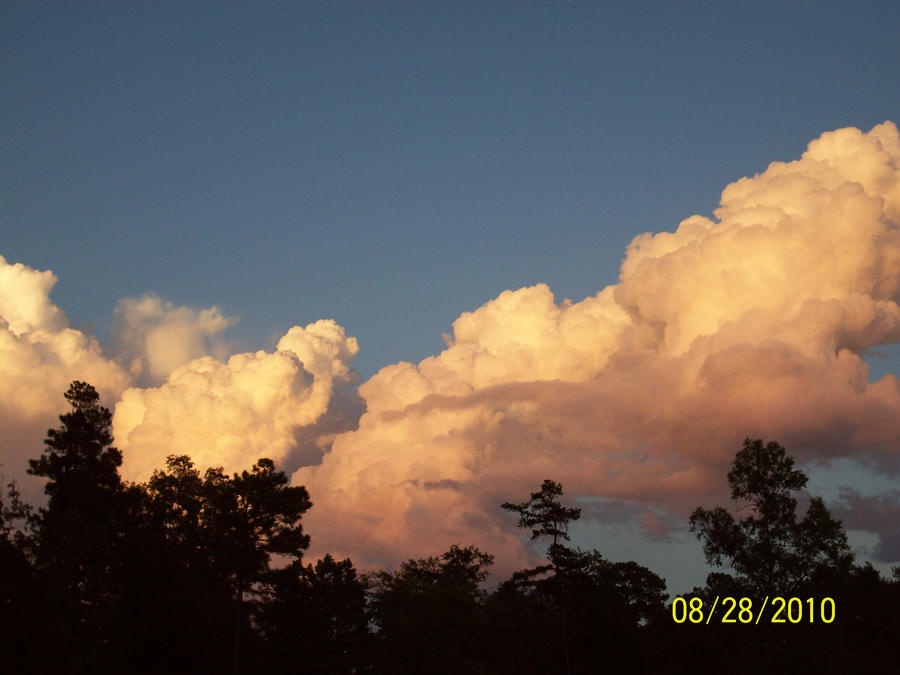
770, 550
17, 620
430, 613
17, 521
78, 533
316, 615
79, 455
203, 572
546, 516
227, 532
555, 612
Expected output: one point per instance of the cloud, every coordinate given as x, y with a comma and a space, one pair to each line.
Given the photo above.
225, 411
39, 356
25, 302
751, 323
154, 337
231, 413
874, 513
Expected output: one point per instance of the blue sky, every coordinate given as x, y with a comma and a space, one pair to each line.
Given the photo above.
393, 165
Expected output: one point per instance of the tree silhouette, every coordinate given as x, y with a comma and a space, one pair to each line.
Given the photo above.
227, 532
595, 606
259, 517
770, 550
78, 455
430, 613
316, 616
202, 572
546, 517
17, 522
18, 623
177, 605
182, 563
77, 533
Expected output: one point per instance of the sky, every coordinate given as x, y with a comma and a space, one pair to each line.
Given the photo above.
426, 255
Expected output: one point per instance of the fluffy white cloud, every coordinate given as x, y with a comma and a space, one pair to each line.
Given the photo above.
25, 302
285, 405
748, 324
228, 412
232, 413
154, 337
39, 356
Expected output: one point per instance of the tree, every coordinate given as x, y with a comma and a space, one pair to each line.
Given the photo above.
177, 603
228, 533
17, 522
17, 612
546, 517
180, 563
770, 550
642, 591
77, 533
578, 596
257, 516
430, 613
316, 616
79, 456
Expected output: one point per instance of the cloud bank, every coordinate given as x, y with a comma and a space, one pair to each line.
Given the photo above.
750, 323
224, 411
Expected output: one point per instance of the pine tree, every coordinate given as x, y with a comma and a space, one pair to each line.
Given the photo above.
78, 530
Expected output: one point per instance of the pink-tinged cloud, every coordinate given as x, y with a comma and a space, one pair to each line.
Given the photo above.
153, 337
750, 323
230, 413
286, 405
747, 324
39, 356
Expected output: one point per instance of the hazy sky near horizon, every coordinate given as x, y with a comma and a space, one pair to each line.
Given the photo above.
202, 178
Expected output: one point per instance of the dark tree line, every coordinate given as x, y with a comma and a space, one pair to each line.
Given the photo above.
196, 572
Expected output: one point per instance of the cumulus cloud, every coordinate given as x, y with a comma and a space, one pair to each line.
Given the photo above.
230, 413
874, 513
154, 337
25, 303
287, 405
39, 356
750, 323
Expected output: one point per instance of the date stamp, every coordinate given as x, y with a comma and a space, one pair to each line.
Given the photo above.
742, 610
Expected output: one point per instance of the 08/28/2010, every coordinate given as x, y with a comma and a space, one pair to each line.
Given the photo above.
784, 610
